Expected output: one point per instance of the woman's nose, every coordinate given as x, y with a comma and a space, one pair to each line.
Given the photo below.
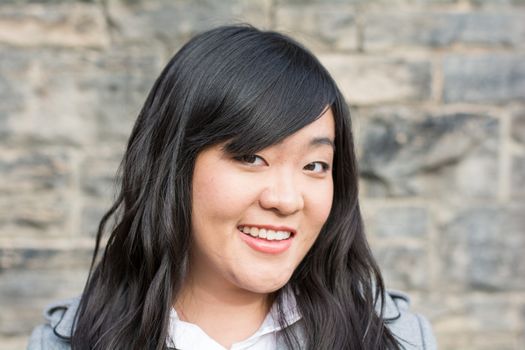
283, 195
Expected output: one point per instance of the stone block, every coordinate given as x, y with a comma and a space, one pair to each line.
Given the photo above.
100, 184
28, 171
90, 220
400, 222
459, 320
120, 86
484, 78
24, 293
361, 2
403, 267
387, 30
64, 25
517, 177
517, 129
14, 343
474, 313
12, 88
316, 2
9, 93
367, 80
174, 22
416, 153
482, 249
36, 215
478, 341
44, 258
52, 107
497, 3
35, 191
320, 27
47, 2
72, 98
99, 175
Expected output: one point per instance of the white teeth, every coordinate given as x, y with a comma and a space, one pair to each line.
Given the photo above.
264, 233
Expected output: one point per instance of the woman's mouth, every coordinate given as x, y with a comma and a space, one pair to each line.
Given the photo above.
270, 235
266, 240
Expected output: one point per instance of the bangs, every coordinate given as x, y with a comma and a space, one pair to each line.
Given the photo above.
264, 87
296, 98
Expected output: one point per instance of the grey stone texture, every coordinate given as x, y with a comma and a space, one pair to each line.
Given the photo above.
174, 22
404, 265
497, 3
361, 2
24, 293
478, 321
518, 127
322, 27
437, 94
400, 222
518, 177
484, 78
34, 190
417, 153
369, 80
34, 170
67, 25
99, 172
91, 216
441, 29
482, 248
40, 258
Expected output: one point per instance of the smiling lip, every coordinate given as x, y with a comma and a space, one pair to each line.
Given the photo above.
266, 246
274, 228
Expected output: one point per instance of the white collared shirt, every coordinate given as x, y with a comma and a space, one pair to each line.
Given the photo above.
188, 336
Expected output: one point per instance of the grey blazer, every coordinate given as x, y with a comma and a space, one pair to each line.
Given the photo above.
413, 330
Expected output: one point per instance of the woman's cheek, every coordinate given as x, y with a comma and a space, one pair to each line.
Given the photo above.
320, 198
231, 192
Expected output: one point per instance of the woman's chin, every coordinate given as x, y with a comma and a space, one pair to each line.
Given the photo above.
264, 284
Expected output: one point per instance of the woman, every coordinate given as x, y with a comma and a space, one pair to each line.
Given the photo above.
238, 223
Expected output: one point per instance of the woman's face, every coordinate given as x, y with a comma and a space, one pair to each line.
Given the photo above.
284, 189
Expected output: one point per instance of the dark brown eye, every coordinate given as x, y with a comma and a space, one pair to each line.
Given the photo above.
317, 167
251, 159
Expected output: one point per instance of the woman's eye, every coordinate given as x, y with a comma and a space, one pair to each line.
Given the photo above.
317, 167
251, 159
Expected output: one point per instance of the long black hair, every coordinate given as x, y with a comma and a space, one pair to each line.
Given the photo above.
252, 89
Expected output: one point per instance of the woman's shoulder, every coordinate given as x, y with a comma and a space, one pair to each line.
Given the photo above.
411, 329
55, 333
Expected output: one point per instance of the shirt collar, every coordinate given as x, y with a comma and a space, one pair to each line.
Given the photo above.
290, 311
179, 331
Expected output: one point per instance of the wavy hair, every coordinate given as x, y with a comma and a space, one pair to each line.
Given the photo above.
251, 89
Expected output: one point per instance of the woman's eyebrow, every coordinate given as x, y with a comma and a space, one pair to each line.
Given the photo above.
318, 141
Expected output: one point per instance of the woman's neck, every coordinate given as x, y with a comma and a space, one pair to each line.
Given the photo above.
225, 313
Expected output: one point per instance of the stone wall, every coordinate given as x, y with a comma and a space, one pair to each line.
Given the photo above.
437, 90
